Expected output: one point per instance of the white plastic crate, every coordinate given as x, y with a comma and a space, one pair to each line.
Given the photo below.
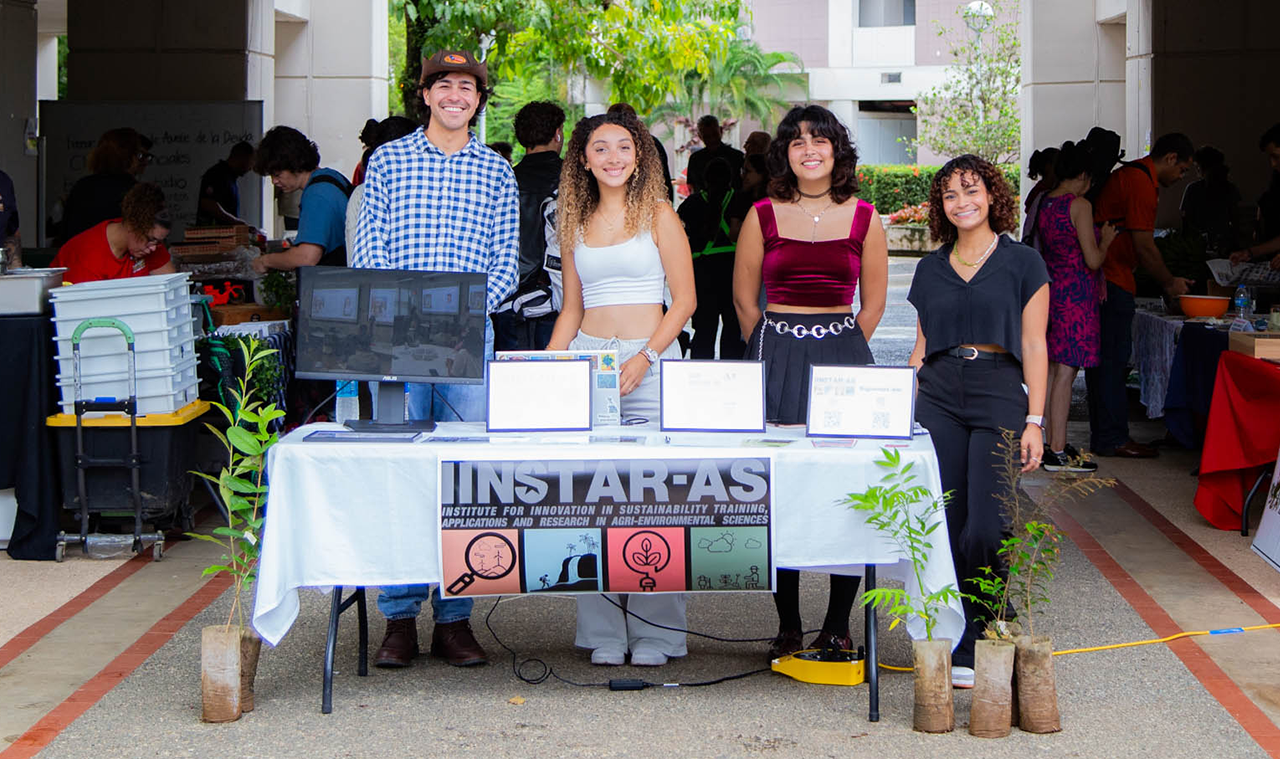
166, 403
65, 326
85, 301
117, 362
103, 342
152, 384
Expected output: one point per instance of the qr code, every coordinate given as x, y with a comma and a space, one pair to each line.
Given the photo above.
831, 418
880, 420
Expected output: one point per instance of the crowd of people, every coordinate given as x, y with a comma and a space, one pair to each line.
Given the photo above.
584, 251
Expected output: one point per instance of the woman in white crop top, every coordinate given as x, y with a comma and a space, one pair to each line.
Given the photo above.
620, 242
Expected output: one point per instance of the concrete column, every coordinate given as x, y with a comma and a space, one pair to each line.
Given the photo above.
18, 105
847, 112
331, 75
47, 67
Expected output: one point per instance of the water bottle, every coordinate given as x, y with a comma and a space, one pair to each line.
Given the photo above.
347, 406
1241, 302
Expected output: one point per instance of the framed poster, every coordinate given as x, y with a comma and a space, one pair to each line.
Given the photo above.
712, 396
539, 396
861, 401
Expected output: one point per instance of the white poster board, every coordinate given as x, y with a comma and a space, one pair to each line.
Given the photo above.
1266, 543
861, 401
542, 396
712, 396
190, 137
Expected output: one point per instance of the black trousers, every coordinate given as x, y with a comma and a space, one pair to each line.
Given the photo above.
713, 284
965, 405
1105, 383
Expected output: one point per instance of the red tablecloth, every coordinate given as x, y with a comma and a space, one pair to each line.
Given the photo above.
1242, 437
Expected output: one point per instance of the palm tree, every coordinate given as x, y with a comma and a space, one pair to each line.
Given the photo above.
743, 83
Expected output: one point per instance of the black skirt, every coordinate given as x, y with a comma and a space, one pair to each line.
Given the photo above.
788, 345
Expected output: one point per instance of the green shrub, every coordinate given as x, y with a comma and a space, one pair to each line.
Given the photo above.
891, 187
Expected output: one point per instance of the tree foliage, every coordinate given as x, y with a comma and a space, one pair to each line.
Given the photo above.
975, 110
743, 81
632, 44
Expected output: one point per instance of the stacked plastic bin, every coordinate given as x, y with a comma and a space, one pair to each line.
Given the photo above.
158, 310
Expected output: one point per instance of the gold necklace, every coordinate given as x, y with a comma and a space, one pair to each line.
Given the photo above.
816, 217
611, 224
977, 263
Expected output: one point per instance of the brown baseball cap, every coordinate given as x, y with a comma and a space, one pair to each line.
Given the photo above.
454, 61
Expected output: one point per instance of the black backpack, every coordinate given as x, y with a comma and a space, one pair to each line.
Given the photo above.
337, 256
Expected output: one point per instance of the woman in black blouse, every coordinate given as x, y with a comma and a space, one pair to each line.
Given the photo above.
982, 302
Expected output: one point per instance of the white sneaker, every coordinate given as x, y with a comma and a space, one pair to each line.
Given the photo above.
648, 657
962, 677
609, 657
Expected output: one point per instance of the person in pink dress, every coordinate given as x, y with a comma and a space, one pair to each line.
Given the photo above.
1073, 253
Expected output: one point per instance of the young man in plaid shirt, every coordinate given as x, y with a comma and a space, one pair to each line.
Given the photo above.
439, 200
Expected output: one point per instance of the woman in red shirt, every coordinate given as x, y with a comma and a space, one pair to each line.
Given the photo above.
131, 246
813, 244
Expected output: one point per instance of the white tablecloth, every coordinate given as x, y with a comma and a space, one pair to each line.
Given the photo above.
366, 514
1155, 337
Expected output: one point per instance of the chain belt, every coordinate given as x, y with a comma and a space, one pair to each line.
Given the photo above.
800, 331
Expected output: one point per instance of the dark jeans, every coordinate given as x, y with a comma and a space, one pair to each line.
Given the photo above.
965, 405
713, 284
514, 333
1108, 399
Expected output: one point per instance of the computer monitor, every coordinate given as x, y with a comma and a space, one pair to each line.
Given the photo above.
390, 326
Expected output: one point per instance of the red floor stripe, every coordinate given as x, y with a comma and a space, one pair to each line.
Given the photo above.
1210, 675
32, 635
43, 732
1255, 600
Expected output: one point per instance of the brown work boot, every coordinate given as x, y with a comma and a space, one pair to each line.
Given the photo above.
455, 643
400, 645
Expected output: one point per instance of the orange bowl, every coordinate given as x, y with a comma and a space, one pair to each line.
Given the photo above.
1204, 305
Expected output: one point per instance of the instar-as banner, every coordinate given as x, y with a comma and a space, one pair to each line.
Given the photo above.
622, 525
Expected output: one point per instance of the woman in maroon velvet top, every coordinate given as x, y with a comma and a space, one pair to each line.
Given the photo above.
814, 246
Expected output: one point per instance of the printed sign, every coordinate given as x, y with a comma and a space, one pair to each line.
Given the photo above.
861, 401
641, 525
1266, 543
712, 396
605, 403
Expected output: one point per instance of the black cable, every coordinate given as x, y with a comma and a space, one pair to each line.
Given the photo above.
517, 666
692, 632
440, 395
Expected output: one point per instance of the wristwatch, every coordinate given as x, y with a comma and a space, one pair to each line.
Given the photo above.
650, 355
1036, 419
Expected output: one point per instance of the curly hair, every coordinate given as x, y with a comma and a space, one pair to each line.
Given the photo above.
1002, 214
536, 123
783, 184
285, 149
143, 208
115, 151
580, 194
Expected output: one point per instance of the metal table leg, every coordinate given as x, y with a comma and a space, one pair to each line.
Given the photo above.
1244, 511
873, 660
336, 608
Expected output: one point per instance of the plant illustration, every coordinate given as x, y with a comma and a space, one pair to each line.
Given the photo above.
247, 439
908, 515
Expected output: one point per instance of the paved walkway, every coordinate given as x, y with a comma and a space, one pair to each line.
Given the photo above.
113, 670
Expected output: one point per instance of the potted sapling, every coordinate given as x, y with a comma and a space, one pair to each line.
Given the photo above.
1011, 651
229, 652
909, 515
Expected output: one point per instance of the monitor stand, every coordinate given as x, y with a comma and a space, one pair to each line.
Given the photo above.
390, 400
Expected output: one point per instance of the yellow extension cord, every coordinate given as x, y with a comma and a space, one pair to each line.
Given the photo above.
1226, 631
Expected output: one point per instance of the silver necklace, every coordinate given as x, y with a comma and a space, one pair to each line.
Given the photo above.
611, 223
816, 217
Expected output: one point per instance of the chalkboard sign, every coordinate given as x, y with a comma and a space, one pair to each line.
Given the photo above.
189, 138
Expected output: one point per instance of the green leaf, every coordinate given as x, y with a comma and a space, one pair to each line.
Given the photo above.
244, 441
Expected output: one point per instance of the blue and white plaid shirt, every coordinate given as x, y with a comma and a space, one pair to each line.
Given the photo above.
424, 210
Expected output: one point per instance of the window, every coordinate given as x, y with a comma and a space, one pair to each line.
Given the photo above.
873, 13
894, 77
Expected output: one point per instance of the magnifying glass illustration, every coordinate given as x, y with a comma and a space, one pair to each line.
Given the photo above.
644, 552
489, 556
